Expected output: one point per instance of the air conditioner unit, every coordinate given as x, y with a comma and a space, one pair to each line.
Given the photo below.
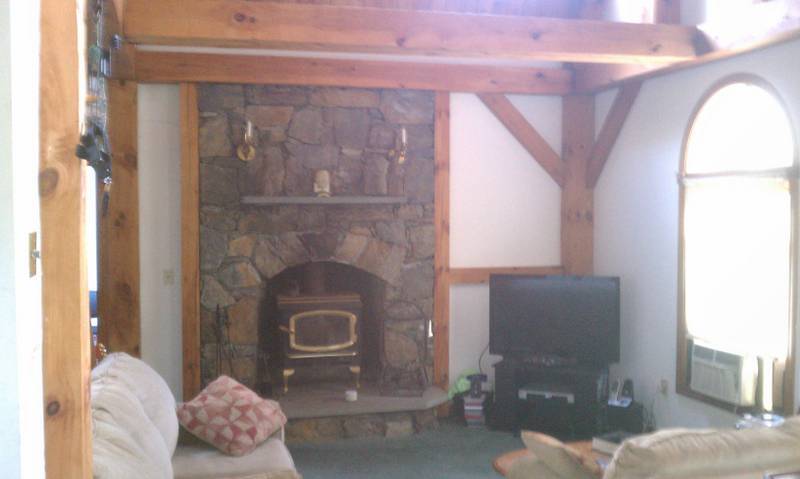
725, 376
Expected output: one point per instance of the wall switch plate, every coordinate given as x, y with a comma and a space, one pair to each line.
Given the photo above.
168, 276
33, 253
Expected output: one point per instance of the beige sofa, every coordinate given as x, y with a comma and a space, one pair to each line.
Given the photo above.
672, 454
135, 433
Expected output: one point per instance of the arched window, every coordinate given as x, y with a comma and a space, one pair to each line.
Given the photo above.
738, 195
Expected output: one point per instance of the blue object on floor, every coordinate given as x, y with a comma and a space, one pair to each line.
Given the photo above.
452, 451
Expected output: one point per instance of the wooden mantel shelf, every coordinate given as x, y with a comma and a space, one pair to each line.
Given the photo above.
315, 200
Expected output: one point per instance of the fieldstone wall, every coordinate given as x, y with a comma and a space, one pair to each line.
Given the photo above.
300, 130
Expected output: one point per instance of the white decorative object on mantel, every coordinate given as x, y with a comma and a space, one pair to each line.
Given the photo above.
322, 183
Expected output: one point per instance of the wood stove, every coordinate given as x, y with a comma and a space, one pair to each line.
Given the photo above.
320, 330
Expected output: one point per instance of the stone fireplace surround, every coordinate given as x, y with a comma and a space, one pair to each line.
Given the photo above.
245, 248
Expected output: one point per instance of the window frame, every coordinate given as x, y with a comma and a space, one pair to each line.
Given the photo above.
791, 175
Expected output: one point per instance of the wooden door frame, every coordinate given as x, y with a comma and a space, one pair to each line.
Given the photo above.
65, 297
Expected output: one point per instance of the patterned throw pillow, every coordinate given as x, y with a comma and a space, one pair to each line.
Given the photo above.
231, 417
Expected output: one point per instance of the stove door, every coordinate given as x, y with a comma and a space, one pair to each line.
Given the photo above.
322, 331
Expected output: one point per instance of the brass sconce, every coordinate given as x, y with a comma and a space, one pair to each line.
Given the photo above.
246, 151
401, 147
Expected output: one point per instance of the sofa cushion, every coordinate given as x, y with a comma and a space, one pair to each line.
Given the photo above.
558, 457
125, 442
270, 459
675, 453
231, 417
148, 387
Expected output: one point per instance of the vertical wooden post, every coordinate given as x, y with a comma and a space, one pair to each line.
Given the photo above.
65, 298
577, 201
190, 240
119, 308
441, 294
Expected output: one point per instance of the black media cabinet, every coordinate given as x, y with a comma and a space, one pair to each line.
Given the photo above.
555, 416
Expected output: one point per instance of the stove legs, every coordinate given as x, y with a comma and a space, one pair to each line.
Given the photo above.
356, 370
286, 373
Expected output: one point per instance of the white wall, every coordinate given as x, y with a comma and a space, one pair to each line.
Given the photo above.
21, 422
505, 210
636, 219
159, 230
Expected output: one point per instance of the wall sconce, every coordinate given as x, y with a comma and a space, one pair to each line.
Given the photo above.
246, 151
401, 149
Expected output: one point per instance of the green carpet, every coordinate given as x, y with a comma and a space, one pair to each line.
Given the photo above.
452, 451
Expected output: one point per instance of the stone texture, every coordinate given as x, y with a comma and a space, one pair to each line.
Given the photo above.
243, 318
217, 218
239, 275
269, 220
420, 137
299, 179
216, 97
364, 426
276, 95
345, 97
382, 259
418, 280
407, 106
409, 212
419, 180
375, 171
423, 241
425, 420
351, 127
404, 311
213, 248
214, 137
314, 430
351, 248
391, 231
213, 294
218, 185
313, 156
347, 178
241, 246
382, 136
401, 425
311, 218
321, 246
268, 116
264, 175
267, 260
400, 349
306, 126
274, 253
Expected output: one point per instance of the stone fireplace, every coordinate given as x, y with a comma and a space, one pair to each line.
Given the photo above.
378, 245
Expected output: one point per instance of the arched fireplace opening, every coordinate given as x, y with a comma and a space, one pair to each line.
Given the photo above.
322, 322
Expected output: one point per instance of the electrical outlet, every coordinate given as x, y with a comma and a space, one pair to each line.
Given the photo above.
168, 276
663, 387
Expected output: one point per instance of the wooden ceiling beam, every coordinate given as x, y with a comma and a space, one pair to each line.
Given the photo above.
171, 67
765, 24
248, 24
609, 133
526, 134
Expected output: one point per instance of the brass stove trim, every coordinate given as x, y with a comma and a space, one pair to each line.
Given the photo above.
292, 332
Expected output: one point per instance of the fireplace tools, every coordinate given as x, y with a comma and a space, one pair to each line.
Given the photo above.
225, 350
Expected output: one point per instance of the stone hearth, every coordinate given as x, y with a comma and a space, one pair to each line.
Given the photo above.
245, 247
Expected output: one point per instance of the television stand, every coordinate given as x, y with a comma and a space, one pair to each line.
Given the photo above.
560, 400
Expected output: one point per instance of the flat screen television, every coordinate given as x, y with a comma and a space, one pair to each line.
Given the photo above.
570, 317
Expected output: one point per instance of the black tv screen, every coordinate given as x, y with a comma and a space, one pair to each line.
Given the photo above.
571, 317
